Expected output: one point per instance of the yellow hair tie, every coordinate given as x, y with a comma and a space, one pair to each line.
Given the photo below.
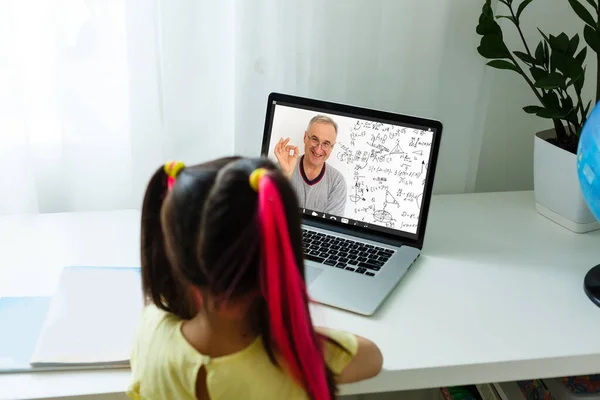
255, 177
173, 168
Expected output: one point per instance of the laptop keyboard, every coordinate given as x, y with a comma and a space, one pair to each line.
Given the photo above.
345, 254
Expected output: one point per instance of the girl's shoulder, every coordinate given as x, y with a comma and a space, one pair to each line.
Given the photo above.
340, 348
157, 327
153, 317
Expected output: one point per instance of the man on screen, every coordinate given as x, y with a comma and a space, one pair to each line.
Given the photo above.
319, 186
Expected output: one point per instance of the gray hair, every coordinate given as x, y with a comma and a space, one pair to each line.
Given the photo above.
324, 120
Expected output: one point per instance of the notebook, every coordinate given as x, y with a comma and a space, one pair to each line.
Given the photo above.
92, 319
21, 319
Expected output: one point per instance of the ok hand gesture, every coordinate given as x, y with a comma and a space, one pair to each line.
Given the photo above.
287, 155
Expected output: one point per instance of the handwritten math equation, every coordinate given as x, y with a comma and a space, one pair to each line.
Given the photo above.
389, 168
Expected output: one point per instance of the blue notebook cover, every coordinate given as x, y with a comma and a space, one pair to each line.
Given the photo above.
21, 319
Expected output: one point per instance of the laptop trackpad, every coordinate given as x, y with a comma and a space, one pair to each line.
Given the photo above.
311, 273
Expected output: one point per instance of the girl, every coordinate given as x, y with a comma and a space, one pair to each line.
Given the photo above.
222, 267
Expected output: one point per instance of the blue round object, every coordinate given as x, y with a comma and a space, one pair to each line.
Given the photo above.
588, 162
588, 171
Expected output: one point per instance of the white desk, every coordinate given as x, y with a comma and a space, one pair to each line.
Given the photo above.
496, 296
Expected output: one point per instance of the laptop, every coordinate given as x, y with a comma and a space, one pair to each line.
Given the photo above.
364, 180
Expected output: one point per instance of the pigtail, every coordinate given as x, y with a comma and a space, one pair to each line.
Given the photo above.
285, 293
159, 285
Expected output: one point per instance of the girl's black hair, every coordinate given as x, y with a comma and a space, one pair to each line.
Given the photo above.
205, 232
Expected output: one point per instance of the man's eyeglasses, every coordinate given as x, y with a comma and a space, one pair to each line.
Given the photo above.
325, 145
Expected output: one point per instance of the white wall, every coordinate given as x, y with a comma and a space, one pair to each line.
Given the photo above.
506, 158
412, 56
415, 57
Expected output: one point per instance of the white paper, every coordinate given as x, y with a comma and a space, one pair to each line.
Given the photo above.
93, 317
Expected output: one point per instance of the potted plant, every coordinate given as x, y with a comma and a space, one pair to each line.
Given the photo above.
555, 71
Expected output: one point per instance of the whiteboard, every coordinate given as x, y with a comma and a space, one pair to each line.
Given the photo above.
384, 165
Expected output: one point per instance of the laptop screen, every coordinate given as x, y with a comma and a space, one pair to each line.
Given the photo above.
350, 169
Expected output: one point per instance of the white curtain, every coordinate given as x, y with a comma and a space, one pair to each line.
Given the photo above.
64, 106
96, 94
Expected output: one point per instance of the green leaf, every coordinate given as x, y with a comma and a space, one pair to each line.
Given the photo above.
546, 55
552, 81
574, 69
510, 18
487, 23
581, 56
550, 113
526, 58
573, 44
558, 61
592, 38
575, 82
493, 46
571, 116
503, 64
522, 7
551, 100
567, 65
532, 109
487, 8
578, 83
487, 26
560, 42
563, 41
539, 54
582, 12
593, 4
587, 108
538, 73
567, 104
544, 35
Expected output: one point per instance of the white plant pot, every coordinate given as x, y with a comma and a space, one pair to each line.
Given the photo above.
558, 196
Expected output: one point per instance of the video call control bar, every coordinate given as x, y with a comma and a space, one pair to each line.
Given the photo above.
336, 218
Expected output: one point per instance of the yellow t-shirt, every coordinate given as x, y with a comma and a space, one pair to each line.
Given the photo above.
165, 366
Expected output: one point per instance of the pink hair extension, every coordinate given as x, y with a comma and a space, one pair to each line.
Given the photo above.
170, 183
171, 179
286, 296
